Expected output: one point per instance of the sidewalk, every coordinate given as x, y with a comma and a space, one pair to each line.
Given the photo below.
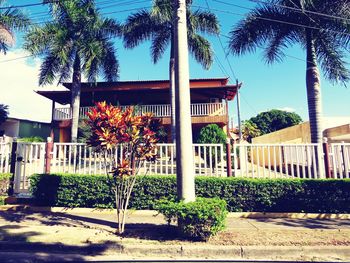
87, 235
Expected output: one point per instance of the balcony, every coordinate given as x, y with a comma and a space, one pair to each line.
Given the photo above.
159, 111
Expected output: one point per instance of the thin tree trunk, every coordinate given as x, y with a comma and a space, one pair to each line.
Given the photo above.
172, 89
313, 86
75, 103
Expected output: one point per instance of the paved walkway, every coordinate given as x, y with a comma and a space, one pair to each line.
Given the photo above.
148, 235
143, 219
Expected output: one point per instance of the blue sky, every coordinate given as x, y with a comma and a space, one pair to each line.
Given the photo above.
265, 87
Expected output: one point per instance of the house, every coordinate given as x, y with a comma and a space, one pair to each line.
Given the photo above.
21, 128
209, 99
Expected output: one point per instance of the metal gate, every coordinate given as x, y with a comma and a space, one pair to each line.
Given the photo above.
30, 159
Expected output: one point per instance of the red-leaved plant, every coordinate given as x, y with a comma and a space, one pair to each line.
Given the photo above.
112, 127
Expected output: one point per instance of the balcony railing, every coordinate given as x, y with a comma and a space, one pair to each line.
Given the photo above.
159, 111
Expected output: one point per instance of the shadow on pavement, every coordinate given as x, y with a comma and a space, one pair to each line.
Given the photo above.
152, 232
305, 223
14, 247
145, 231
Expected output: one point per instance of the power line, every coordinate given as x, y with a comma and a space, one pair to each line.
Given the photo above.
298, 9
270, 19
228, 62
223, 48
221, 67
106, 13
101, 5
18, 58
26, 5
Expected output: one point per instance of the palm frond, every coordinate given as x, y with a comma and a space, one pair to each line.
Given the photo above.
78, 31
110, 27
48, 69
204, 22
159, 44
14, 19
110, 64
162, 10
259, 25
11, 20
39, 39
276, 43
139, 27
200, 48
332, 60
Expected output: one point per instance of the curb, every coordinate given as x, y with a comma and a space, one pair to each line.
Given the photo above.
324, 216
304, 253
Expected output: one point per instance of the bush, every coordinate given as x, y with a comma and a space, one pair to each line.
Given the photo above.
5, 179
211, 133
274, 120
197, 220
32, 139
2, 199
241, 195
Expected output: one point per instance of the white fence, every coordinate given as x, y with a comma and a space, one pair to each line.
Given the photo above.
159, 110
5, 155
278, 161
30, 159
340, 160
248, 160
81, 159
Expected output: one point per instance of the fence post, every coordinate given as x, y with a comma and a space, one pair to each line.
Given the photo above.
48, 154
326, 158
13, 166
228, 157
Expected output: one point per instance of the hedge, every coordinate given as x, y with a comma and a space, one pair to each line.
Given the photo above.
5, 179
241, 195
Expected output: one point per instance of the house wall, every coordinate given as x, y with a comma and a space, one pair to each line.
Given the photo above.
10, 128
31, 128
338, 134
295, 134
299, 133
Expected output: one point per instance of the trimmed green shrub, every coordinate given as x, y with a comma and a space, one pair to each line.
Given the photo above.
198, 220
5, 179
241, 195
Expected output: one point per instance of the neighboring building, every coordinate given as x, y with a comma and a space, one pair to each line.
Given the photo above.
209, 99
20, 128
335, 129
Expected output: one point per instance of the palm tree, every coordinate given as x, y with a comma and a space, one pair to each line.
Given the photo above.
76, 42
10, 19
4, 112
157, 25
279, 24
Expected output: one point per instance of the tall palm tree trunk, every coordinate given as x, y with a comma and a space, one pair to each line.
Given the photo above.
184, 150
172, 89
313, 87
75, 102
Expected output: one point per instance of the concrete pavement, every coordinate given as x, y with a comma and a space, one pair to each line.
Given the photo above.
90, 235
